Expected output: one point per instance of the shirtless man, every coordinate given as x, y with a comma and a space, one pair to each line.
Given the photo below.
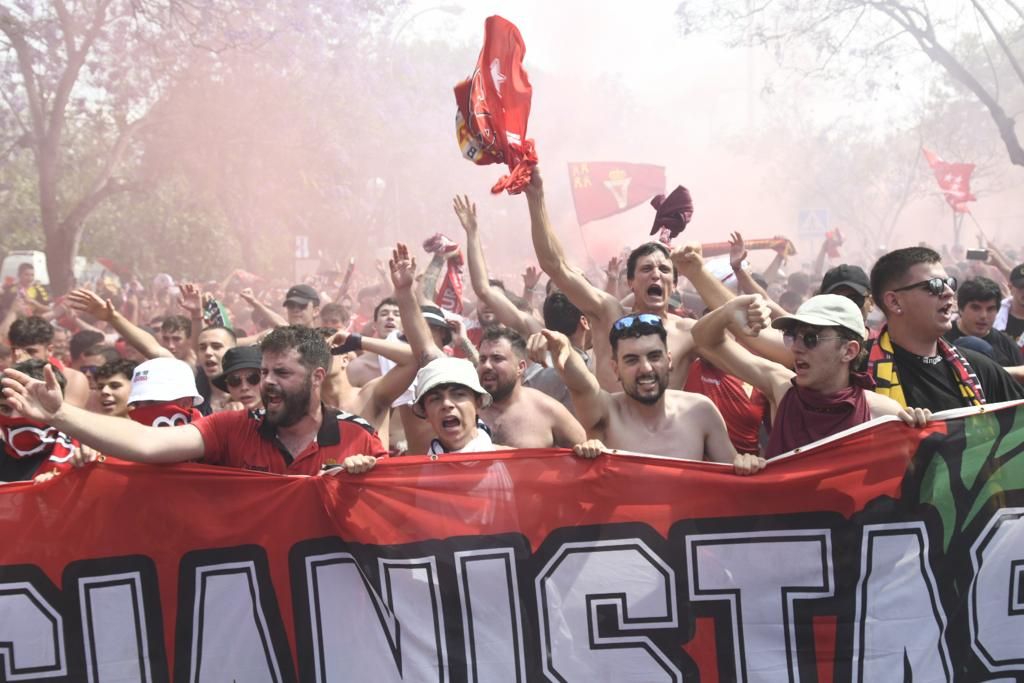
372, 401
386, 320
651, 271
519, 416
645, 416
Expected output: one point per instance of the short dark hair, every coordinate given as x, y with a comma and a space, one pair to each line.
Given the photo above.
121, 366
561, 315
644, 250
312, 347
109, 353
28, 331
23, 266
515, 340
978, 288
891, 267
388, 301
635, 329
177, 323
336, 309
33, 367
82, 341
230, 332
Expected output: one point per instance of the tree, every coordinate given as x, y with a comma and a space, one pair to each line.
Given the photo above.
887, 30
91, 72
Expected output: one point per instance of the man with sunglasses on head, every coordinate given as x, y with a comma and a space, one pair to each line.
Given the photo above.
822, 395
652, 272
910, 361
646, 416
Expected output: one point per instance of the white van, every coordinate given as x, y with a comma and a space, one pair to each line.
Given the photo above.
9, 268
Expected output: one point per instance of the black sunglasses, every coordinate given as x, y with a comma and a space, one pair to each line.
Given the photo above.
630, 321
235, 381
810, 339
935, 286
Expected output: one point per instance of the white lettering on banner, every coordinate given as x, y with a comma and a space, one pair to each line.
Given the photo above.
491, 620
344, 610
114, 630
31, 634
624, 576
761, 575
996, 595
231, 639
899, 620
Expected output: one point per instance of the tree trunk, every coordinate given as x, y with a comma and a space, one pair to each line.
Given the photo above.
61, 249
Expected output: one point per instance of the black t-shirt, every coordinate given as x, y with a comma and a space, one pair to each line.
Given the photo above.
1014, 326
1006, 351
931, 385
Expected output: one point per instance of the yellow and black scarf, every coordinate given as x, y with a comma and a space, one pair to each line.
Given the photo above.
882, 367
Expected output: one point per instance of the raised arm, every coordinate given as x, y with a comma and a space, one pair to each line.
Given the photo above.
590, 401
191, 299
274, 317
746, 281
712, 343
495, 299
125, 439
102, 309
403, 278
594, 302
385, 389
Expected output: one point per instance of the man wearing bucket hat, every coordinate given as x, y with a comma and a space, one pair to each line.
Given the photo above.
822, 395
241, 377
163, 393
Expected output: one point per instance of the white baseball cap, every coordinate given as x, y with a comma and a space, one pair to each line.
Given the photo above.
826, 310
448, 370
164, 379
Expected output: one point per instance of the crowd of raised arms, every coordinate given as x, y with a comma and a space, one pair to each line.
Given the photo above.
658, 356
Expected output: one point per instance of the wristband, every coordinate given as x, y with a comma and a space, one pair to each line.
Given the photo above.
353, 343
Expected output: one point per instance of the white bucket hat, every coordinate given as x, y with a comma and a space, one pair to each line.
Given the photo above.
164, 379
447, 370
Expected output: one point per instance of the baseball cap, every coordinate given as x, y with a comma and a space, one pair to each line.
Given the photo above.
435, 318
448, 370
826, 310
163, 379
1017, 276
301, 294
237, 358
846, 275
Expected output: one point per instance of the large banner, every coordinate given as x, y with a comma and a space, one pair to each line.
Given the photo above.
889, 554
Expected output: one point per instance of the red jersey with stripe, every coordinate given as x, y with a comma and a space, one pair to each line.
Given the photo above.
244, 439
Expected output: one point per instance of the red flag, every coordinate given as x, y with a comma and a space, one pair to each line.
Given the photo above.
494, 105
954, 180
449, 294
605, 188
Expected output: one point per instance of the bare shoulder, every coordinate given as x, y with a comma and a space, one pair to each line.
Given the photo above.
680, 323
688, 400
881, 405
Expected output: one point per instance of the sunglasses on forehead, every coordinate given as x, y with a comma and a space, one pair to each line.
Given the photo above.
935, 286
809, 339
252, 378
630, 321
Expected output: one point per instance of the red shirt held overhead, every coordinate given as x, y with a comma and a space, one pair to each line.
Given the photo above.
243, 439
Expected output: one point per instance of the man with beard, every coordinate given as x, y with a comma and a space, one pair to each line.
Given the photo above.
910, 361
294, 434
645, 416
651, 271
519, 416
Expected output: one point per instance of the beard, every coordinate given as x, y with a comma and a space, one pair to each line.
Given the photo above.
294, 404
647, 399
502, 389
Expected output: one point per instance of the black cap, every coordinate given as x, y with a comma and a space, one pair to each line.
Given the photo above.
302, 294
1017, 276
238, 358
435, 318
846, 275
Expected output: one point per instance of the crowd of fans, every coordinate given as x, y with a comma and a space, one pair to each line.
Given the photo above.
328, 375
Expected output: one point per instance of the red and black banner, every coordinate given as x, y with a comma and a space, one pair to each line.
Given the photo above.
889, 554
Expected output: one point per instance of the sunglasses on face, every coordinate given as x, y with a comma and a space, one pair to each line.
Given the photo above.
809, 339
935, 286
292, 306
252, 378
631, 321
89, 369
